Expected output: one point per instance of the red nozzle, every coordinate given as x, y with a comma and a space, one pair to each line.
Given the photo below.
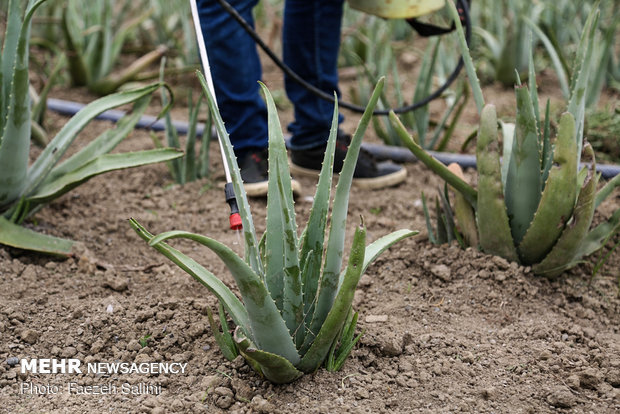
235, 221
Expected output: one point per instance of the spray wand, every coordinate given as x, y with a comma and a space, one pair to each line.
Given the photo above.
235, 218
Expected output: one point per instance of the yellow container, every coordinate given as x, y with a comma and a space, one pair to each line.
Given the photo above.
397, 9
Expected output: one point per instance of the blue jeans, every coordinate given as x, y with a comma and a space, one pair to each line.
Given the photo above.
311, 42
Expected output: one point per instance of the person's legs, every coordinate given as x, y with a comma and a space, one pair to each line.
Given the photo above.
311, 42
235, 68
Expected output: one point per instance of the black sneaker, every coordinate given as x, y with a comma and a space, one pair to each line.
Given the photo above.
254, 168
368, 174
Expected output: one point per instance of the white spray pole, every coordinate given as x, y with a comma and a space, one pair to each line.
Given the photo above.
235, 219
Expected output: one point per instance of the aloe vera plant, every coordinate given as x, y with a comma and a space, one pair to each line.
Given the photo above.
536, 207
295, 306
94, 36
191, 166
23, 188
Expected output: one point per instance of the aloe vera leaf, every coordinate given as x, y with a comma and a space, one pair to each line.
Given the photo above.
172, 137
53, 189
429, 226
118, 38
581, 74
205, 145
555, 58
282, 274
605, 49
607, 189
423, 89
564, 253
508, 137
374, 249
442, 123
223, 339
463, 211
337, 315
110, 83
468, 191
533, 88
347, 343
57, 147
14, 235
269, 330
15, 134
231, 303
558, 198
78, 70
442, 224
598, 236
523, 182
469, 64
547, 151
274, 367
312, 241
493, 226
249, 233
8, 58
103, 144
335, 245
190, 160
489, 40
39, 107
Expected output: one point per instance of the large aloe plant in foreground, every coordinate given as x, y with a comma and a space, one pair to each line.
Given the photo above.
295, 308
536, 206
24, 188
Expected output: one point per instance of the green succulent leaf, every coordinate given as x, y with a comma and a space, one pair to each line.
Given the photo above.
581, 75
104, 143
312, 240
558, 198
275, 368
607, 189
337, 315
493, 226
14, 235
523, 182
335, 245
565, 253
374, 249
15, 104
53, 189
249, 233
223, 339
268, 329
282, 273
469, 63
59, 145
457, 183
231, 303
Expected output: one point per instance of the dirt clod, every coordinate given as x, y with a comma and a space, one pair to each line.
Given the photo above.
562, 398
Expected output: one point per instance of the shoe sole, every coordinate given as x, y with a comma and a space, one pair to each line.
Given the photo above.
261, 189
388, 180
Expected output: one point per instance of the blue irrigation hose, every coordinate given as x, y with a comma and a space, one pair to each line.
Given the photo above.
381, 152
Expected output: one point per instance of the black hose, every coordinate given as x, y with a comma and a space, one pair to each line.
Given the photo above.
463, 9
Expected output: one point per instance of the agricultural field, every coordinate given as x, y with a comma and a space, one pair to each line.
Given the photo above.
448, 324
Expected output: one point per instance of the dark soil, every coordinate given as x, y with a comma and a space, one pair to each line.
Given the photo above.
446, 330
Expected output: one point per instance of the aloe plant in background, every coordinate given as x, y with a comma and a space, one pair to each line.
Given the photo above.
23, 188
191, 166
371, 49
295, 311
537, 207
94, 37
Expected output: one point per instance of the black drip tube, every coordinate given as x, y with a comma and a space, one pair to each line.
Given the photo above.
381, 152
